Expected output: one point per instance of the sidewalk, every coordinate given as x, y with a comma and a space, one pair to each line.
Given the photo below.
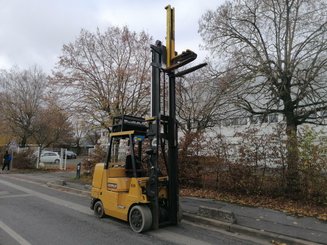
260, 222
263, 223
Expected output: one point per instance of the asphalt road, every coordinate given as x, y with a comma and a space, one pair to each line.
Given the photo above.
32, 213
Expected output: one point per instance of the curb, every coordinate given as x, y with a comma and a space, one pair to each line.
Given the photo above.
217, 214
245, 230
63, 186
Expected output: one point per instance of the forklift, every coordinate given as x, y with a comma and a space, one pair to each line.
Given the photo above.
138, 182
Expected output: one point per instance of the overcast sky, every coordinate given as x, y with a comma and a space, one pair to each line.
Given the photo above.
34, 31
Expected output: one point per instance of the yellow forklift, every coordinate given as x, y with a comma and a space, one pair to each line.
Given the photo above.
138, 182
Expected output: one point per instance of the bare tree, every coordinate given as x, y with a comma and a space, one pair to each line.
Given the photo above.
198, 103
92, 136
85, 132
52, 126
22, 96
79, 132
105, 74
277, 53
5, 134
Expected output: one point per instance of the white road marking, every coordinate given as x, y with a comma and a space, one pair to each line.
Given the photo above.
29, 192
236, 235
171, 236
52, 199
51, 185
13, 234
17, 195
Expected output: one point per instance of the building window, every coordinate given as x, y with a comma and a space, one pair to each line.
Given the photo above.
273, 118
226, 122
257, 119
234, 121
243, 121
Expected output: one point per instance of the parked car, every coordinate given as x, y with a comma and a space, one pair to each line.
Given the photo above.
36, 153
50, 157
71, 155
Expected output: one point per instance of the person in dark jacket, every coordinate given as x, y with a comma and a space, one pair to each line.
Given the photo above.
6, 161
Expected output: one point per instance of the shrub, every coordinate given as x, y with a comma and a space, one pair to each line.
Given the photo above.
256, 165
313, 166
24, 160
97, 156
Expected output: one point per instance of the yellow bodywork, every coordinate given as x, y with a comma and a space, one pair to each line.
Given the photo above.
170, 38
116, 191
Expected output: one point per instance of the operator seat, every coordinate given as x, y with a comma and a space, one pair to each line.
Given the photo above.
129, 166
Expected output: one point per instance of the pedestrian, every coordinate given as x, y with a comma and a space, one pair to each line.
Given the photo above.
6, 161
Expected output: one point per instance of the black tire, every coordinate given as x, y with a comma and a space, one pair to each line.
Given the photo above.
140, 218
99, 210
57, 161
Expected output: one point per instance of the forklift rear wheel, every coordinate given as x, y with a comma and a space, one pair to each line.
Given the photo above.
98, 209
140, 218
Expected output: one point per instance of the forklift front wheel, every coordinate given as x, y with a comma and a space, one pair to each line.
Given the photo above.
98, 209
140, 218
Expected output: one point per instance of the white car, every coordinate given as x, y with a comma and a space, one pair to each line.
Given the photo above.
50, 157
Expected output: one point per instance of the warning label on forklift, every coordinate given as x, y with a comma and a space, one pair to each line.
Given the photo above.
112, 185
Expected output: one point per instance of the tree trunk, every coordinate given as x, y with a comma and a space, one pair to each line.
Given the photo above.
293, 176
23, 141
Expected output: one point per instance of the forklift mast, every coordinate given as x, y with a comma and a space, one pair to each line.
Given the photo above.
121, 188
163, 126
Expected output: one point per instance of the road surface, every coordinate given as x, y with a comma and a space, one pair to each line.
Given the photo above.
32, 213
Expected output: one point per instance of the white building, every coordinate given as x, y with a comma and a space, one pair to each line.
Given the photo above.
233, 129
